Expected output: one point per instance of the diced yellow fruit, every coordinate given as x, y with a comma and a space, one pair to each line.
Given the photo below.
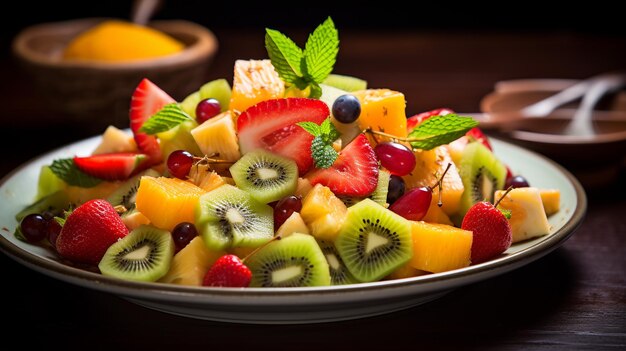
167, 201
456, 148
435, 214
217, 137
323, 213
528, 218
551, 199
115, 140
205, 178
134, 220
303, 188
429, 166
405, 271
382, 110
254, 81
78, 195
293, 224
190, 265
439, 247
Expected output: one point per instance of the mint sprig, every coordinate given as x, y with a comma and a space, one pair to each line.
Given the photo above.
308, 67
325, 134
170, 116
67, 171
440, 130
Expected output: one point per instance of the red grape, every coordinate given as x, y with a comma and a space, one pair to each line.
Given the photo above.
414, 204
179, 163
285, 208
182, 234
396, 158
207, 109
516, 182
54, 229
34, 227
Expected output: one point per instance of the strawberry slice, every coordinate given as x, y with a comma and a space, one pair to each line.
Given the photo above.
147, 100
114, 166
413, 121
478, 134
354, 173
271, 125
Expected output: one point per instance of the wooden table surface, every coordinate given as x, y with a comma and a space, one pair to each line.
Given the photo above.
574, 298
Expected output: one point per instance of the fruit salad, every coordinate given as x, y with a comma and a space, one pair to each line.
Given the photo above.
293, 177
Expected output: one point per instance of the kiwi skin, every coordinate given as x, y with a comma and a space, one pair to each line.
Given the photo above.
295, 251
154, 265
245, 174
363, 220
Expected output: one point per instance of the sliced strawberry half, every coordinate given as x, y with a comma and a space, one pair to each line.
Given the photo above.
147, 100
114, 166
354, 173
271, 125
476, 133
413, 121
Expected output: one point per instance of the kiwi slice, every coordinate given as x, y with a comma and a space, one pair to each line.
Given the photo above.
374, 241
346, 83
296, 260
266, 176
379, 195
230, 217
144, 255
482, 174
126, 194
339, 273
54, 202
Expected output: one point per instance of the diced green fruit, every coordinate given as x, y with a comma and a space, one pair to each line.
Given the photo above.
190, 103
346, 83
48, 183
219, 90
348, 131
179, 138
330, 94
53, 202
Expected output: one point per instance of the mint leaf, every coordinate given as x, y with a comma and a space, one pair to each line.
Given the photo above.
310, 127
440, 130
323, 153
285, 55
170, 116
320, 51
328, 131
66, 170
316, 90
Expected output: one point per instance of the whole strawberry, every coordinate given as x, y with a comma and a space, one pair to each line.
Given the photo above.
228, 271
492, 231
89, 231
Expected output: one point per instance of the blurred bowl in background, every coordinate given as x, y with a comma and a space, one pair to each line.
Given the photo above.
95, 93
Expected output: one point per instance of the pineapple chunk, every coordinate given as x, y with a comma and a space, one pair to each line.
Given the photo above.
167, 201
115, 140
382, 110
293, 224
528, 218
323, 213
429, 166
439, 247
134, 220
551, 199
405, 271
217, 136
191, 264
303, 188
205, 178
254, 81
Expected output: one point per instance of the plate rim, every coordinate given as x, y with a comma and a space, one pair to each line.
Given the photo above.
100, 282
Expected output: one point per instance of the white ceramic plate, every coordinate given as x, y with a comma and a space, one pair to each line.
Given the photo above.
294, 305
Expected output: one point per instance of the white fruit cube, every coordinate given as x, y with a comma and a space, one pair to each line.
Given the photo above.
528, 218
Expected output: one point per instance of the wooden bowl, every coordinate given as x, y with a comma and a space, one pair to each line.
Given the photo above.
97, 94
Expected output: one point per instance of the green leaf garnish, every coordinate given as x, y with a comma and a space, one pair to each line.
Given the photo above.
440, 130
325, 134
320, 51
170, 116
308, 67
66, 170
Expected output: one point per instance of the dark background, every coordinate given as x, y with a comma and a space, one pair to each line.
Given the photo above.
441, 54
